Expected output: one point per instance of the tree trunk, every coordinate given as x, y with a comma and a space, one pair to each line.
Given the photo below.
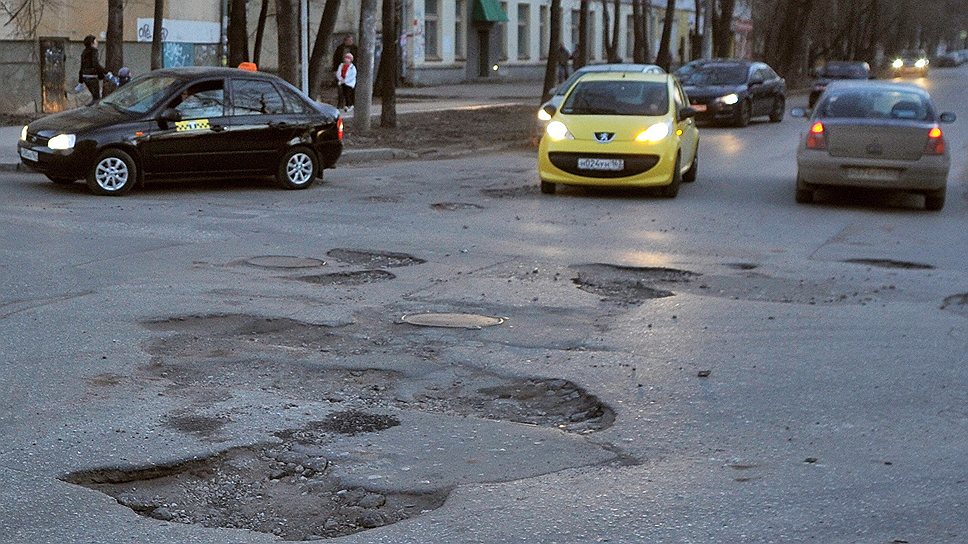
260, 31
785, 54
581, 53
616, 28
554, 50
664, 56
114, 57
389, 63
287, 31
238, 33
364, 73
646, 39
723, 28
637, 53
318, 61
157, 60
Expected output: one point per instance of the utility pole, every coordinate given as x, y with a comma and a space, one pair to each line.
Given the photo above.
304, 45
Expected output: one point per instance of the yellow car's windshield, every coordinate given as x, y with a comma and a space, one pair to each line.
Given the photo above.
618, 98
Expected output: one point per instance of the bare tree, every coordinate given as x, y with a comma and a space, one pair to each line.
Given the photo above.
637, 49
610, 36
364, 77
554, 50
389, 64
114, 56
664, 57
582, 53
25, 15
317, 60
157, 34
287, 30
723, 28
238, 33
260, 30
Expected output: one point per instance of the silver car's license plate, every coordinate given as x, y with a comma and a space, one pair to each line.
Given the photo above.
29, 154
873, 173
612, 165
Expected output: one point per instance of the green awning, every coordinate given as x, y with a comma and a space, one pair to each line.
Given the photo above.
489, 11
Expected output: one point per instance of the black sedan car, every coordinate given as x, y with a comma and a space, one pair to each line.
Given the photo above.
735, 91
188, 123
835, 70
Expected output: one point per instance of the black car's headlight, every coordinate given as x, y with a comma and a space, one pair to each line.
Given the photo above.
62, 142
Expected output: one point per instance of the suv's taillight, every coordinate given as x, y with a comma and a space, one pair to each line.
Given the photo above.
816, 139
339, 128
935, 145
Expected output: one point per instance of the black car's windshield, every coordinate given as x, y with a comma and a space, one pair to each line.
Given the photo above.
876, 104
843, 70
717, 74
141, 94
618, 98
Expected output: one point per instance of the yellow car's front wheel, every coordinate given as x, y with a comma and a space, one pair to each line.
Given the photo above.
671, 190
547, 187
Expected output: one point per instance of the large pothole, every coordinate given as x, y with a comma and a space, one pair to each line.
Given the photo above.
628, 285
891, 263
373, 258
349, 279
285, 490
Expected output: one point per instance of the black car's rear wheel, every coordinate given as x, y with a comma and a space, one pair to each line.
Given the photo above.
776, 114
298, 168
114, 173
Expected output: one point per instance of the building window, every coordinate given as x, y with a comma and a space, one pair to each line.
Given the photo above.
575, 25
545, 26
524, 36
432, 29
504, 33
460, 37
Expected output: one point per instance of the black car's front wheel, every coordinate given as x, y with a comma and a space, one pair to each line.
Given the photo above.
298, 168
744, 112
114, 173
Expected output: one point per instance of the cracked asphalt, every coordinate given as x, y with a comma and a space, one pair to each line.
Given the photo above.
725, 367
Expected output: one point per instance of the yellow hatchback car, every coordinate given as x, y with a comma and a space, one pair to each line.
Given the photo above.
627, 130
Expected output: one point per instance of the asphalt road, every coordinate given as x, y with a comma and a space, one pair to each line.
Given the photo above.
832, 341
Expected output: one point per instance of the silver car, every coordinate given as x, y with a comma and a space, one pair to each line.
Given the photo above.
874, 134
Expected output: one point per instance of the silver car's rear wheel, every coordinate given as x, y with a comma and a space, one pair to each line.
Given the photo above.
804, 191
934, 200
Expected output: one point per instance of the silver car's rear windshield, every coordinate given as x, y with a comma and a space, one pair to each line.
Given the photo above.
617, 98
141, 94
876, 104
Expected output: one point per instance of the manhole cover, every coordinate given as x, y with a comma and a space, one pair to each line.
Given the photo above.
453, 321
284, 261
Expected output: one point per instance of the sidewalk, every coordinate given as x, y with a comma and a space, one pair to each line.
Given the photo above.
409, 100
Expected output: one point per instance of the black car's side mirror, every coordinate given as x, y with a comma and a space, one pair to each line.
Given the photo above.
169, 115
686, 113
550, 110
756, 82
947, 117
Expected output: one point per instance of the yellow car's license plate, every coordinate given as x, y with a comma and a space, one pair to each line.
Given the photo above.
612, 165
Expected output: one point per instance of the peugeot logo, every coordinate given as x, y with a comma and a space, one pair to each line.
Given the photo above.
604, 137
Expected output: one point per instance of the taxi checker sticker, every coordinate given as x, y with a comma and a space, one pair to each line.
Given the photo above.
195, 124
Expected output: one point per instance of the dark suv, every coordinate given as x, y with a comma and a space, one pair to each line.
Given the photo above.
735, 91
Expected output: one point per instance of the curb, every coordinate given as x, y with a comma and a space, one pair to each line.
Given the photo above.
375, 154
10, 167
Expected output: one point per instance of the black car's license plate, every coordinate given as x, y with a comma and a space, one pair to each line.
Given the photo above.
611, 165
29, 154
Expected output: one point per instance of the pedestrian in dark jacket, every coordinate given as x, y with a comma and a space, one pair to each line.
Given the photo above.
91, 72
342, 49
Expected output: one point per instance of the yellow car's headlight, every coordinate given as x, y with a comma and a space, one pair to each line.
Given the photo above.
62, 141
23, 133
921, 63
558, 131
654, 133
897, 63
729, 99
543, 116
